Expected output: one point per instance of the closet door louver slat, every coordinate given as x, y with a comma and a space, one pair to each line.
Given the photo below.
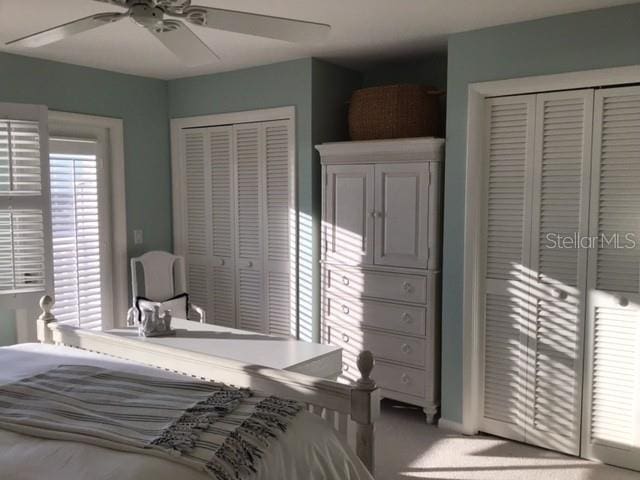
612, 392
249, 226
279, 223
558, 275
197, 221
510, 130
222, 207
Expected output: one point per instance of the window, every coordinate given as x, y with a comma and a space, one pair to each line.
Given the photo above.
79, 277
23, 244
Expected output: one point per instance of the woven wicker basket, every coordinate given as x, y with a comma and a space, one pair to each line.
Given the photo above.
394, 111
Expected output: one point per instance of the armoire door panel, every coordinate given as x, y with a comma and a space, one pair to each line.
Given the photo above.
349, 214
509, 156
559, 212
611, 419
401, 215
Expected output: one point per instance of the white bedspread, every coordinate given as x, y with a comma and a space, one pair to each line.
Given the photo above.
309, 450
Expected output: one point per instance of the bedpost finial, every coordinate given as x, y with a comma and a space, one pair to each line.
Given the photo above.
46, 304
365, 365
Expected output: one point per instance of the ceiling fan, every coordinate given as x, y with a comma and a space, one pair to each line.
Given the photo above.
162, 18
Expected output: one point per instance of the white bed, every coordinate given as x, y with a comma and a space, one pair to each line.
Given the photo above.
310, 449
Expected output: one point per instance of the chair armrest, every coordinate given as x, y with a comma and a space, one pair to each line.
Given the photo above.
200, 312
133, 314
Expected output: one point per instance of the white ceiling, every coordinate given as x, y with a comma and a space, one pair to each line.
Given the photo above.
363, 31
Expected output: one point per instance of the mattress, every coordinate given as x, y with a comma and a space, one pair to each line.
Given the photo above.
309, 449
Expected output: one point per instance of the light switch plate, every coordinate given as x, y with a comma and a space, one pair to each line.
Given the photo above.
137, 237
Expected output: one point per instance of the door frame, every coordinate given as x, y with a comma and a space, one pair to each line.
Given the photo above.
474, 206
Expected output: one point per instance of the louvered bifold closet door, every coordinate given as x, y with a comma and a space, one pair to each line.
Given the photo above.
509, 157
611, 421
279, 228
249, 226
222, 284
196, 154
560, 213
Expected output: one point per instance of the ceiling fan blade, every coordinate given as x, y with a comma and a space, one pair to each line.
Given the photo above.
60, 32
185, 44
287, 29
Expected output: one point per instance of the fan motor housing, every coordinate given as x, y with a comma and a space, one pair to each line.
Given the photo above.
147, 16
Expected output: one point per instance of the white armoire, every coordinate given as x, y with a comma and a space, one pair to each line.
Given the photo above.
381, 242
237, 218
561, 300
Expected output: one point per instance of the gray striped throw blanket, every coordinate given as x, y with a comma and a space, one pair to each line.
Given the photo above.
209, 426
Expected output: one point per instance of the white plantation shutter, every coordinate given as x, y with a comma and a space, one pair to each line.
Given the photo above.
25, 234
558, 275
279, 224
612, 376
509, 147
222, 284
76, 230
249, 226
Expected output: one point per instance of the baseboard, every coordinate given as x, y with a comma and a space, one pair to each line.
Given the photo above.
453, 426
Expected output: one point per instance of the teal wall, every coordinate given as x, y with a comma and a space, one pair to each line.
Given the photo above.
428, 70
332, 87
140, 102
583, 41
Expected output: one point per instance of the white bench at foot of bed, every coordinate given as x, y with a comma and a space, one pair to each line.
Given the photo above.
337, 403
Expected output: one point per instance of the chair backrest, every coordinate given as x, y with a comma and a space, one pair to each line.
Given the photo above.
164, 275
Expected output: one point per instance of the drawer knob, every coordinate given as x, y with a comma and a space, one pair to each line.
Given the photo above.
222, 262
345, 338
623, 301
345, 280
559, 294
406, 349
407, 287
406, 318
345, 309
249, 264
404, 378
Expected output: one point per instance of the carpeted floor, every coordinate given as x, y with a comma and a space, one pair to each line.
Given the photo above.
408, 448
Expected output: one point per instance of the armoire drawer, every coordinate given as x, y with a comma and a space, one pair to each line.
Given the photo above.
407, 380
389, 316
386, 346
383, 285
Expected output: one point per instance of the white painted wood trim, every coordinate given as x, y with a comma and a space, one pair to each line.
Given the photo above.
477, 93
119, 274
360, 401
423, 149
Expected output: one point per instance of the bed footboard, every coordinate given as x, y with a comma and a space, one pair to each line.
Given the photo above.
337, 403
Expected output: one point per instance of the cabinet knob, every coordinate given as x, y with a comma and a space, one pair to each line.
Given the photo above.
249, 264
406, 318
623, 301
345, 338
345, 367
222, 262
345, 280
376, 214
404, 378
405, 348
407, 287
345, 309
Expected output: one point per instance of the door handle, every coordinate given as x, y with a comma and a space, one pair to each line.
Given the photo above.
559, 294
